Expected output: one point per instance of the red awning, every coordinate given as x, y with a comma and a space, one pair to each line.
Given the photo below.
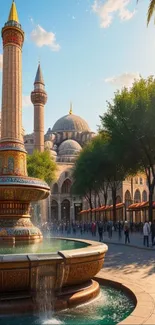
139, 206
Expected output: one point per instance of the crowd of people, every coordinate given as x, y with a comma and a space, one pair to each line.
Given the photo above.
98, 229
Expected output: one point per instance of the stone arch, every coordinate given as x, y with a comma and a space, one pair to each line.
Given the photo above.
54, 210
66, 186
65, 210
144, 196
137, 196
55, 189
128, 199
118, 199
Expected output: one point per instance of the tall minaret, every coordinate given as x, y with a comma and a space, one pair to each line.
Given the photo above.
39, 99
13, 37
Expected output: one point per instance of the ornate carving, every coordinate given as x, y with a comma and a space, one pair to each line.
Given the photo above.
13, 163
12, 36
81, 272
39, 97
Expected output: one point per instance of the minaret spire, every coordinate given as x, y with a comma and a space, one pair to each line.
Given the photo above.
13, 15
39, 76
39, 99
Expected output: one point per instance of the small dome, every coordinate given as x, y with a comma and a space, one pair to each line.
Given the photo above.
72, 123
48, 144
69, 148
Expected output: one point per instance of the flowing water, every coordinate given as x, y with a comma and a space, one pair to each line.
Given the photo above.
109, 308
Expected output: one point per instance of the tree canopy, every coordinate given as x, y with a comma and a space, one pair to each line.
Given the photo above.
130, 121
41, 165
98, 168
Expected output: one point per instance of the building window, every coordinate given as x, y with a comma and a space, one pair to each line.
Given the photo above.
66, 187
55, 188
141, 181
137, 197
128, 199
144, 196
136, 180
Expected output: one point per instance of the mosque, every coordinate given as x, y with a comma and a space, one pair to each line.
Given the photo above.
65, 140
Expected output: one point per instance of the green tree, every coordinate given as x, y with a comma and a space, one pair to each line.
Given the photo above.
98, 168
130, 121
41, 165
151, 10
83, 176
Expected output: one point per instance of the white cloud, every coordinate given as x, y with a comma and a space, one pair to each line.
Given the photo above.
106, 10
123, 80
1, 62
43, 38
26, 101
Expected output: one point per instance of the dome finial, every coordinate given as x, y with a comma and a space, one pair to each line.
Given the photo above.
71, 108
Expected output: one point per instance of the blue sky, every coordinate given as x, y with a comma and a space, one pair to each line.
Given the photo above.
87, 49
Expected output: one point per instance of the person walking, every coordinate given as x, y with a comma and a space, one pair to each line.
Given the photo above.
100, 231
109, 229
153, 232
119, 230
146, 232
126, 232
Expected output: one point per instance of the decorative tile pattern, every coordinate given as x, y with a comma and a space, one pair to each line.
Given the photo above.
18, 231
13, 180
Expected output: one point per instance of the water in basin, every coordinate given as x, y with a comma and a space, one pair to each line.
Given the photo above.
109, 308
48, 245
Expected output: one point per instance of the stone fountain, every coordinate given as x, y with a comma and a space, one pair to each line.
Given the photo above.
67, 274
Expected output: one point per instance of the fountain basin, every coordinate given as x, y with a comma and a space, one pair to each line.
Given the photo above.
67, 275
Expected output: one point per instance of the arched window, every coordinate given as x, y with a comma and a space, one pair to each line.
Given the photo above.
66, 186
65, 210
128, 199
144, 196
118, 199
141, 181
136, 180
137, 197
54, 210
55, 188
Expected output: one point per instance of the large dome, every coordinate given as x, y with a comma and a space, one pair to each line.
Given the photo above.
71, 122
